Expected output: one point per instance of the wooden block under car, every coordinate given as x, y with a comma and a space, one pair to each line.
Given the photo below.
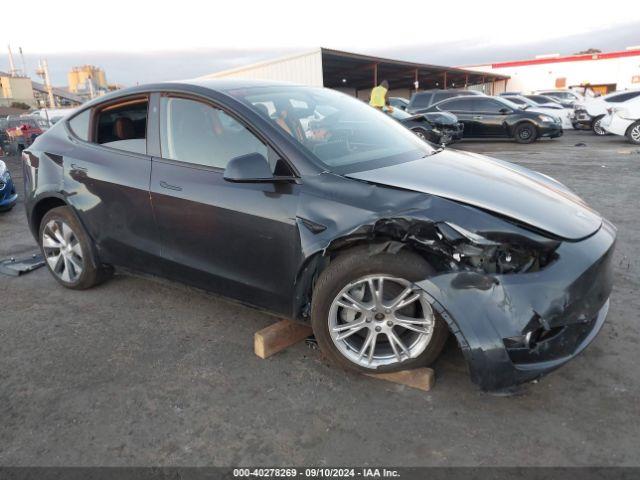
420, 378
277, 337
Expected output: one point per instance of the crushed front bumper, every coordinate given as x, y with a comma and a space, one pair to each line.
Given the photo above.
515, 328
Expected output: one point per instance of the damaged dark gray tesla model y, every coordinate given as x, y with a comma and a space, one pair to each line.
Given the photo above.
310, 204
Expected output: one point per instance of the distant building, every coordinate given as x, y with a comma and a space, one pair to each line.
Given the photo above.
87, 81
603, 72
15, 90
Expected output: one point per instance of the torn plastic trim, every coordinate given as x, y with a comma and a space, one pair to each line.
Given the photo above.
483, 310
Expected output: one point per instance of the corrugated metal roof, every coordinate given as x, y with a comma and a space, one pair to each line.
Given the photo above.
337, 68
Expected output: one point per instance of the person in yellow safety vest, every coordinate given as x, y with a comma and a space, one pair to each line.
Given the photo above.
379, 95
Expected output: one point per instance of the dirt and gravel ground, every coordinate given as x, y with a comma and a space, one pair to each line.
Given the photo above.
146, 372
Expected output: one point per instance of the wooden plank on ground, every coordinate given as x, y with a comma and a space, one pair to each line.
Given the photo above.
420, 378
277, 337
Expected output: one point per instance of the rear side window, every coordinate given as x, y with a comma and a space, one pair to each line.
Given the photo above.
79, 125
421, 100
195, 132
623, 97
458, 104
124, 126
438, 97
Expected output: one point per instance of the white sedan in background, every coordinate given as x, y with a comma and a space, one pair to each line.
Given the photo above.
624, 119
553, 110
591, 112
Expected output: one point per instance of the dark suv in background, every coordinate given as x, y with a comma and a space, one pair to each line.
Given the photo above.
420, 101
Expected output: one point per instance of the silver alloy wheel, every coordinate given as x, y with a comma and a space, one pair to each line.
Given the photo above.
380, 320
62, 251
635, 133
419, 134
597, 128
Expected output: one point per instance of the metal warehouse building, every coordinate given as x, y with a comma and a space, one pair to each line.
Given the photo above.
603, 72
356, 74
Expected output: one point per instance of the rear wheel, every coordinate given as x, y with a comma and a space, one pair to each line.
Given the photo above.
597, 126
368, 316
67, 251
525, 133
633, 133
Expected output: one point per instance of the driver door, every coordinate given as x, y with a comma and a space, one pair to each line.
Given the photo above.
236, 239
490, 118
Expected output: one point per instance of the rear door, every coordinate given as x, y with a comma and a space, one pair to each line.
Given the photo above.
461, 107
107, 177
236, 239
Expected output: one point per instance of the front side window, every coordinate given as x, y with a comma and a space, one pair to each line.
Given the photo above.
124, 126
340, 132
494, 105
195, 132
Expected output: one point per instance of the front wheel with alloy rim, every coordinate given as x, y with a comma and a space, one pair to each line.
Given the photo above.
525, 133
67, 251
633, 133
597, 127
368, 315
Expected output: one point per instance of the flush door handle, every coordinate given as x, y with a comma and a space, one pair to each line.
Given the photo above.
168, 186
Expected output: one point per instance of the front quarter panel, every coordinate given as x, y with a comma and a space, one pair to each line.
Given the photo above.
570, 297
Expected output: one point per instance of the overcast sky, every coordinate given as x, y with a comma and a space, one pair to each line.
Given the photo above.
142, 42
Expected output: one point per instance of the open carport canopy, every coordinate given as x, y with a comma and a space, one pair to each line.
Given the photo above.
344, 69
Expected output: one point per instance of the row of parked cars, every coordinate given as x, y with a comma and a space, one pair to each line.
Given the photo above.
616, 113
17, 132
482, 116
521, 117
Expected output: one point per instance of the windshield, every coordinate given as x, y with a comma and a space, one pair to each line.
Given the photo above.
397, 113
509, 103
344, 134
523, 101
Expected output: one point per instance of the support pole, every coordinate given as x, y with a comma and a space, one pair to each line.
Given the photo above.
375, 75
445, 81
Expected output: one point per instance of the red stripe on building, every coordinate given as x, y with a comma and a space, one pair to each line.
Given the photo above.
569, 58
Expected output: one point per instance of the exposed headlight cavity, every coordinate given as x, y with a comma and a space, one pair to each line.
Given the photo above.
475, 252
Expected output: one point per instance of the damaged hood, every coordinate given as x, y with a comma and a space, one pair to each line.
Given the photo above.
501, 187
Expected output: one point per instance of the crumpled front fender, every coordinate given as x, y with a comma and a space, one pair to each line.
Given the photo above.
568, 298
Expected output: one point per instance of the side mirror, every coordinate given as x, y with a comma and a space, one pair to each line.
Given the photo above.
252, 167
505, 111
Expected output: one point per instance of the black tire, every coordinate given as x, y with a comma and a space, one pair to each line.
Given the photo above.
422, 134
93, 273
354, 264
596, 128
525, 133
633, 133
